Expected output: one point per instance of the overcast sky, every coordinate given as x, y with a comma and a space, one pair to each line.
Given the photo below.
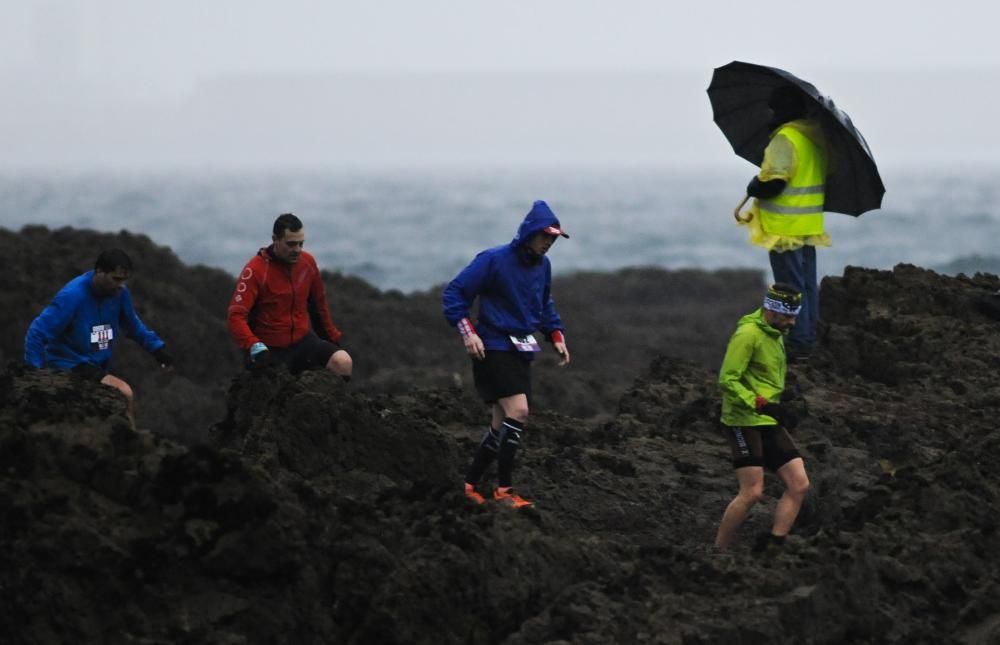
229, 83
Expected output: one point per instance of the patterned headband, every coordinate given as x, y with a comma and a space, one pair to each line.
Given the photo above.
789, 304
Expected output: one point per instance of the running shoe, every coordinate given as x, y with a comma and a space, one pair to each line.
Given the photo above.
507, 497
473, 494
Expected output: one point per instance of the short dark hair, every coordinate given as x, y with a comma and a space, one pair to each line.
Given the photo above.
111, 259
286, 222
784, 287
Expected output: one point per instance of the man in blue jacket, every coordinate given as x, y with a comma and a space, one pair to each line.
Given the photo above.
513, 284
79, 328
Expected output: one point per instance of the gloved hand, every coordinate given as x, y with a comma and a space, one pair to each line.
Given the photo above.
260, 356
163, 358
782, 414
775, 410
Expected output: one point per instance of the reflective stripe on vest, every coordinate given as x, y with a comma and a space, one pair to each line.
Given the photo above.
798, 209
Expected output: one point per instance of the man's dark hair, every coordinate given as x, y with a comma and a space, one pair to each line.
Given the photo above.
111, 259
784, 287
286, 222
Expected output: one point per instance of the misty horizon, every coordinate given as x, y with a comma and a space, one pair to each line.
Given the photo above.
119, 85
483, 119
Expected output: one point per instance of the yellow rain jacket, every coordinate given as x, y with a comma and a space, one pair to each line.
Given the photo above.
794, 218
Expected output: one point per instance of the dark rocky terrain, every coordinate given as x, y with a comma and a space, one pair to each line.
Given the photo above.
267, 508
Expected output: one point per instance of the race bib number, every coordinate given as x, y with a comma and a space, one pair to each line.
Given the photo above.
101, 336
525, 343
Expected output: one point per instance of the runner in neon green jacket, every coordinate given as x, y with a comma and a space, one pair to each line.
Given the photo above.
752, 379
754, 367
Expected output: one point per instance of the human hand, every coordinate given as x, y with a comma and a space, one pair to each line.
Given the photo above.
784, 416
563, 351
474, 346
165, 360
260, 356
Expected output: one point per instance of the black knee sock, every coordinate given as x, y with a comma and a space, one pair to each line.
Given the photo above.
484, 456
510, 441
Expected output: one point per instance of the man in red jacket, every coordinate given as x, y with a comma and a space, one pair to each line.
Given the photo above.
278, 312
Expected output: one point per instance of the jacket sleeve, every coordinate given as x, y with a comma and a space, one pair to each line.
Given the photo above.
550, 317
242, 301
319, 310
134, 327
738, 354
461, 292
53, 320
780, 160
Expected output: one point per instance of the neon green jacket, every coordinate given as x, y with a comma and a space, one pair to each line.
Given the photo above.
754, 366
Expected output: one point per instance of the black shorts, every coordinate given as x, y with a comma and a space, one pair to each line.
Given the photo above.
312, 352
89, 372
768, 446
502, 374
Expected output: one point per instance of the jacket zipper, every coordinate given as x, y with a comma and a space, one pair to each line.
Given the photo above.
291, 314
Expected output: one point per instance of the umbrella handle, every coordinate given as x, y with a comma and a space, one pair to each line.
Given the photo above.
736, 213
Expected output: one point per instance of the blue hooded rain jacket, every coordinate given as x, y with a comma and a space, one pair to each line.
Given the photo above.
514, 295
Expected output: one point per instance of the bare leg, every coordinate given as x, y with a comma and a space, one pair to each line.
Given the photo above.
751, 480
793, 474
515, 407
340, 363
125, 389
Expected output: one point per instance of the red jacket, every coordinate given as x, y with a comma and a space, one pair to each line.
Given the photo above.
283, 298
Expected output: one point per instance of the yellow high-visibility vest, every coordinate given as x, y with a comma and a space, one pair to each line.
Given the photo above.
798, 209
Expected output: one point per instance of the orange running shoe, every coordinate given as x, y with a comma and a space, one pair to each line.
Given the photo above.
473, 494
507, 497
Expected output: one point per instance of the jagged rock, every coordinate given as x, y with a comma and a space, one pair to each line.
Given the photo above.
308, 510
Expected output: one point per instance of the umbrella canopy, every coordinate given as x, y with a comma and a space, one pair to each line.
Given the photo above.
739, 93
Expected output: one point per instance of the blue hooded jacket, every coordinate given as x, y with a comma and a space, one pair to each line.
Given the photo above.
514, 295
79, 327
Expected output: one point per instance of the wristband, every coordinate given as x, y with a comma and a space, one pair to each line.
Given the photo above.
759, 402
557, 336
257, 348
465, 328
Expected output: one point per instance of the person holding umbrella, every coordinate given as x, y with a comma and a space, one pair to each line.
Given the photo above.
787, 215
812, 159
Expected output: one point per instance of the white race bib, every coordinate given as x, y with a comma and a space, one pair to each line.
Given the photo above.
101, 336
526, 343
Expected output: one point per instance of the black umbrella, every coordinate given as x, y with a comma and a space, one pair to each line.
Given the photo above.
739, 94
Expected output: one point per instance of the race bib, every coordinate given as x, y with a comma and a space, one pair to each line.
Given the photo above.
525, 343
101, 336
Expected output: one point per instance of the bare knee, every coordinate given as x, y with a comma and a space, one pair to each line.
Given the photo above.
518, 413
119, 385
340, 363
750, 495
799, 487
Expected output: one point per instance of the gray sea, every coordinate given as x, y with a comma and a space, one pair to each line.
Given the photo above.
413, 229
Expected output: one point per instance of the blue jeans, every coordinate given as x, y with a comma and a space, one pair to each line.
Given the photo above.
798, 268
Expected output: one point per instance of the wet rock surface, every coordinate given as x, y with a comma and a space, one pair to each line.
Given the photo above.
300, 509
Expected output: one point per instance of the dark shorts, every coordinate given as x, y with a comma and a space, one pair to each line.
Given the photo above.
502, 374
312, 352
89, 372
767, 446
